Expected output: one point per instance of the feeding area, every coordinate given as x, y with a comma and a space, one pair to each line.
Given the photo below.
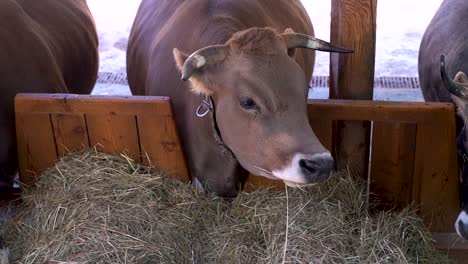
97, 208
106, 179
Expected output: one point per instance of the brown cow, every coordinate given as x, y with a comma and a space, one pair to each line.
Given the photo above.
245, 77
46, 46
445, 80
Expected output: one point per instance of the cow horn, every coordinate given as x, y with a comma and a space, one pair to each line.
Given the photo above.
205, 56
453, 87
298, 40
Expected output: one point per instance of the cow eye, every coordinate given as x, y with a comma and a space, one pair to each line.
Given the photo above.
248, 103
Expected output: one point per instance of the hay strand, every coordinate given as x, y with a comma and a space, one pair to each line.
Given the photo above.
97, 208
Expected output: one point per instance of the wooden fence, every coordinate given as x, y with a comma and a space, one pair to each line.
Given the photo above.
413, 156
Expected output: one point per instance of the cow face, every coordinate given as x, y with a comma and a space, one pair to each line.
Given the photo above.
260, 98
458, 88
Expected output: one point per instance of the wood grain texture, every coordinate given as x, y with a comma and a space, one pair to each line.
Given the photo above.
161, 146
114, 134
364, 110
353, 25
71, 103
111, 124
435, 177
452, 245
70, 133
36, 145
255, 182
351, 146
145, 127
392, 163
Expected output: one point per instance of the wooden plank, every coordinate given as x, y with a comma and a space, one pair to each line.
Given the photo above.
348, 156
435, 178
254, 182
70, 132
160, 145
36, 145
402, 112
118, 132
452, 245
89, 104
353, 25
449, 241
392, 163
412, 112
114, 134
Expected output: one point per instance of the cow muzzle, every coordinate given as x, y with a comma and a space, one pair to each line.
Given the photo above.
461, 225
306, 169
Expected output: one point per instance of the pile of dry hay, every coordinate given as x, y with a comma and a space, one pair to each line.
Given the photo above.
96, 208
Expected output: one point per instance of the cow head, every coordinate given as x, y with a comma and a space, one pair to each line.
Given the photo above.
458, 88
260, 97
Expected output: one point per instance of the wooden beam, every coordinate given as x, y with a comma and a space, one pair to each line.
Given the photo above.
142, 127
381, 111
353, 25
452, 245
72, 103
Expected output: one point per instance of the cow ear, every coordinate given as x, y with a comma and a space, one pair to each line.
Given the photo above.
461, 106
179, 58
461, 78
197, 82
460, 103
291, 52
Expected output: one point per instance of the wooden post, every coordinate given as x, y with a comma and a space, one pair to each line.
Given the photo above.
353, 25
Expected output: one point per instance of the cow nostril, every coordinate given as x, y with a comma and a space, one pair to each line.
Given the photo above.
308, 166
316, 168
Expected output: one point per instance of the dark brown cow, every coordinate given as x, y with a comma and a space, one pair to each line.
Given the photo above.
447, 34
244, 75
46, 46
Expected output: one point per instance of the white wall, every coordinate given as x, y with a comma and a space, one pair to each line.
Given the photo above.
400, 25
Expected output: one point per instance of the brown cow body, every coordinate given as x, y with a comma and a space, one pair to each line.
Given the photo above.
47, 46
447, 34
253, 69
444, 79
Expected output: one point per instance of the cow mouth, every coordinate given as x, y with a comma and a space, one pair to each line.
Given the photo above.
291, 184
299, 185
259, 171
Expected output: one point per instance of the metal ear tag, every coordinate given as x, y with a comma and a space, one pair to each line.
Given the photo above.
208, 104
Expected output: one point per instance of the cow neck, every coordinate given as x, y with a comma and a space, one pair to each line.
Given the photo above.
211, 110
